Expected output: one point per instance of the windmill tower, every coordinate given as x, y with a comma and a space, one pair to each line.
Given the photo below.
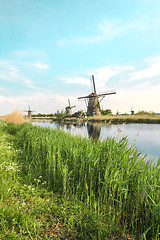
29, 113
68, 108
93, 106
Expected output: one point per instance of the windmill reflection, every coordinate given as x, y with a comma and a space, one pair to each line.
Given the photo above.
68, 126
94, 131
78, 124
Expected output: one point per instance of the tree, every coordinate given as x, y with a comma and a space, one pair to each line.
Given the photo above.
106, 112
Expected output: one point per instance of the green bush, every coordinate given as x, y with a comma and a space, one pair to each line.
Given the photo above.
106, 112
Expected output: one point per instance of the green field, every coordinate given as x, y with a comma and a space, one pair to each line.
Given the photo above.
57, 186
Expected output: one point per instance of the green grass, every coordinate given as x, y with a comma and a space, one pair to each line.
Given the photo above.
119, 119
68, 186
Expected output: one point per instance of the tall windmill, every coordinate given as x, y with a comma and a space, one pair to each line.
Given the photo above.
68, 108
93, 106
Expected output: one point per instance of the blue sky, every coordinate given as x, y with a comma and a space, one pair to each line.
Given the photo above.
50, 48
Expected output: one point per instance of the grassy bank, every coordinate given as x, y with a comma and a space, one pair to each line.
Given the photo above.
66, 186
117, 119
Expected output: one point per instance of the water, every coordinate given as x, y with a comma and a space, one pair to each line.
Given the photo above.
146, 137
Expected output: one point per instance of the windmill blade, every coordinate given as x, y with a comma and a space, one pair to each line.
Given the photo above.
107, 93
73, 106
94, 87
83, 97
86, 102
69, 103
101, 98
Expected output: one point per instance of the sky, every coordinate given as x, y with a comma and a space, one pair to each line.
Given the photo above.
50, 48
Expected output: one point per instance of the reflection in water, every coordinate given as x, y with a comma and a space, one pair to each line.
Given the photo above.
78, 124
68, 126
94, 131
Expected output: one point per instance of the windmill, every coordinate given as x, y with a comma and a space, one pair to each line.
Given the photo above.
117, 113
93, 106
29, 113
68, 108
132, 111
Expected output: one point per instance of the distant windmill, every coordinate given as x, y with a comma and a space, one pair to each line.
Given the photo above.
132, 111
29, 112
118, 112
68, 108
93, 106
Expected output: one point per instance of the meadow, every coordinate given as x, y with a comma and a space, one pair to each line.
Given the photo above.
58, 186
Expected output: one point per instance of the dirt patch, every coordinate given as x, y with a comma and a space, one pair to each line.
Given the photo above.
15, 117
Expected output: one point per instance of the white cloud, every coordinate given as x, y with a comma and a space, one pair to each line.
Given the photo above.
105, 74
42, 66
62, 43
12, 74
108, 30
2, 89
112, 29
76, 80
151, 71
141, 85
27, 53
16, 77
101, 75
4, 64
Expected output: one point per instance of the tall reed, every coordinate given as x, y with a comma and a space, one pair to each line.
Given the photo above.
111, 178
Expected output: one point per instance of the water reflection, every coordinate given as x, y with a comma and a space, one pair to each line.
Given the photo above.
68, 126
78, 124
94, 131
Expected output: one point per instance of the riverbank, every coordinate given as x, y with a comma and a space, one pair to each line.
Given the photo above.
117, 119
16, 117
62, 186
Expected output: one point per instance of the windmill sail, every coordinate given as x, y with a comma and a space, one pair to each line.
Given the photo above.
94, 87
107, 93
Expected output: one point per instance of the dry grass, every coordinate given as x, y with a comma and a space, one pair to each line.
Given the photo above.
126, 119
125, 116
15, 117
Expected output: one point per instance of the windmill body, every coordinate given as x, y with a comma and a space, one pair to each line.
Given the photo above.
93, 105
94, 99
68, 110
29, 113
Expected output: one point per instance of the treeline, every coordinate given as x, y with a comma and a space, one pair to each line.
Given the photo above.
62, 114
43, 115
